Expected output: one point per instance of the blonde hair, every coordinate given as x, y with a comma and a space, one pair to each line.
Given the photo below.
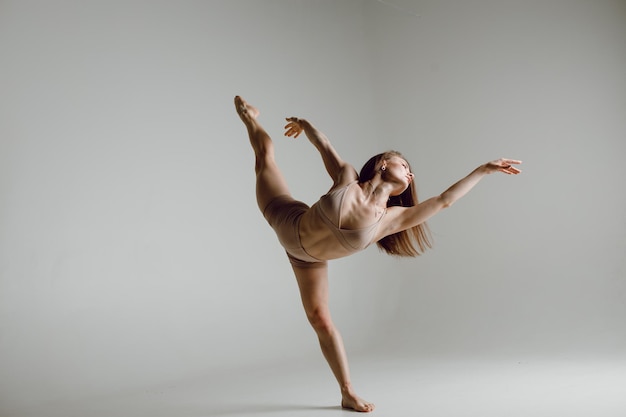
410, 242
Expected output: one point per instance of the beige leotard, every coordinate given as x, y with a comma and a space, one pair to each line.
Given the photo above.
284, 214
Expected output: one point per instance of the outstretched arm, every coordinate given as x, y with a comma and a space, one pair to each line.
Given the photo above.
335, 166
462, 187
403, 218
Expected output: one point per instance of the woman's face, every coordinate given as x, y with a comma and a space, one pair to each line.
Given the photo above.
397, 172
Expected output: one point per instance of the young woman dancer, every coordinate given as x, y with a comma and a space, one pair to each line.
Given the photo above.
379, 204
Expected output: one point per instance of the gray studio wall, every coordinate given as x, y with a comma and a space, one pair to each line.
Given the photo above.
131, 249
524, 266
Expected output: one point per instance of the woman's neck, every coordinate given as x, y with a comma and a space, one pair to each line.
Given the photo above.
377, 192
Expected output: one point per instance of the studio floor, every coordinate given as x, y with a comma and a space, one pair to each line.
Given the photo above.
399, 386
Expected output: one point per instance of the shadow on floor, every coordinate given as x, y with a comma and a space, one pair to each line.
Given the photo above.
251, 409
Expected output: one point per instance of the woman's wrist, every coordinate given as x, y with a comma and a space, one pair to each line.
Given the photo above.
483, 169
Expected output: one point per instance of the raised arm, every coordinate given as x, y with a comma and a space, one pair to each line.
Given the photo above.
402, 218
338, 170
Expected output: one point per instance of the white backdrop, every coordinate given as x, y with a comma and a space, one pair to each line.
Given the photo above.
131, 248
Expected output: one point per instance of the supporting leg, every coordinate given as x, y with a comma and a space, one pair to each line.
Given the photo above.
313, 284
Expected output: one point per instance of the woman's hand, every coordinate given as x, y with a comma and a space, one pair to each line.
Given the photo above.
294, 127
503, 165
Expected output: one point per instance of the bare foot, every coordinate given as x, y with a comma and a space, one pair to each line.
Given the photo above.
247, 112
355, 403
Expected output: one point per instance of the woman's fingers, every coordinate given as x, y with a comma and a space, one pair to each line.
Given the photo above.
510, 169
293, 129
506, 165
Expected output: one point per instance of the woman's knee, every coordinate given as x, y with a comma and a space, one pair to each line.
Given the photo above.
321, 321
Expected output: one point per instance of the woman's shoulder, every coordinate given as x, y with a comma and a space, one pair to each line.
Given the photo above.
348, 176
341, 186
348, 173
343, 182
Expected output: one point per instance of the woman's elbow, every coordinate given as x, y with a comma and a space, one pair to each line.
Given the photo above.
444, 202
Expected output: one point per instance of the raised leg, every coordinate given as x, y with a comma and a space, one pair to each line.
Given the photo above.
270, 182
313, 284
